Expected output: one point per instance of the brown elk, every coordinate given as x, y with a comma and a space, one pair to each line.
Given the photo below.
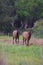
26, 36
16, 36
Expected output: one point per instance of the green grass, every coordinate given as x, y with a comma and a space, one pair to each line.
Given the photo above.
9, 37
5, 37
21, 55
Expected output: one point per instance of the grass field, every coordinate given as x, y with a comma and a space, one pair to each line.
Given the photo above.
20, 55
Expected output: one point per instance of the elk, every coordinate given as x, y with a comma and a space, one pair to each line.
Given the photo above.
26, 36
16, 36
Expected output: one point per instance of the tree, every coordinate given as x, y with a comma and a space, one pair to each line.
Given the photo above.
27, 10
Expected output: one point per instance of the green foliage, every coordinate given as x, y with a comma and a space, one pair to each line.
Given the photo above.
29, 8
25, 9
38, 28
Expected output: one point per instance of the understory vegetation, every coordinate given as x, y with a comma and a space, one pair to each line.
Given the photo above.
38, 29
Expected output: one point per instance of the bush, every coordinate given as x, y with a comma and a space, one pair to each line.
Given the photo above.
38, 28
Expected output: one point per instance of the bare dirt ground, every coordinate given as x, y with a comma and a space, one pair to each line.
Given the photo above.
33, 41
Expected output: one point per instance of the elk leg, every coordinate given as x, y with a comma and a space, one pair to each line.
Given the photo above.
13, 40
28, 42
25, 41
16, 41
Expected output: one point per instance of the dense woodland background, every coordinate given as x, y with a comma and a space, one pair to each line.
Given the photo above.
19, 14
